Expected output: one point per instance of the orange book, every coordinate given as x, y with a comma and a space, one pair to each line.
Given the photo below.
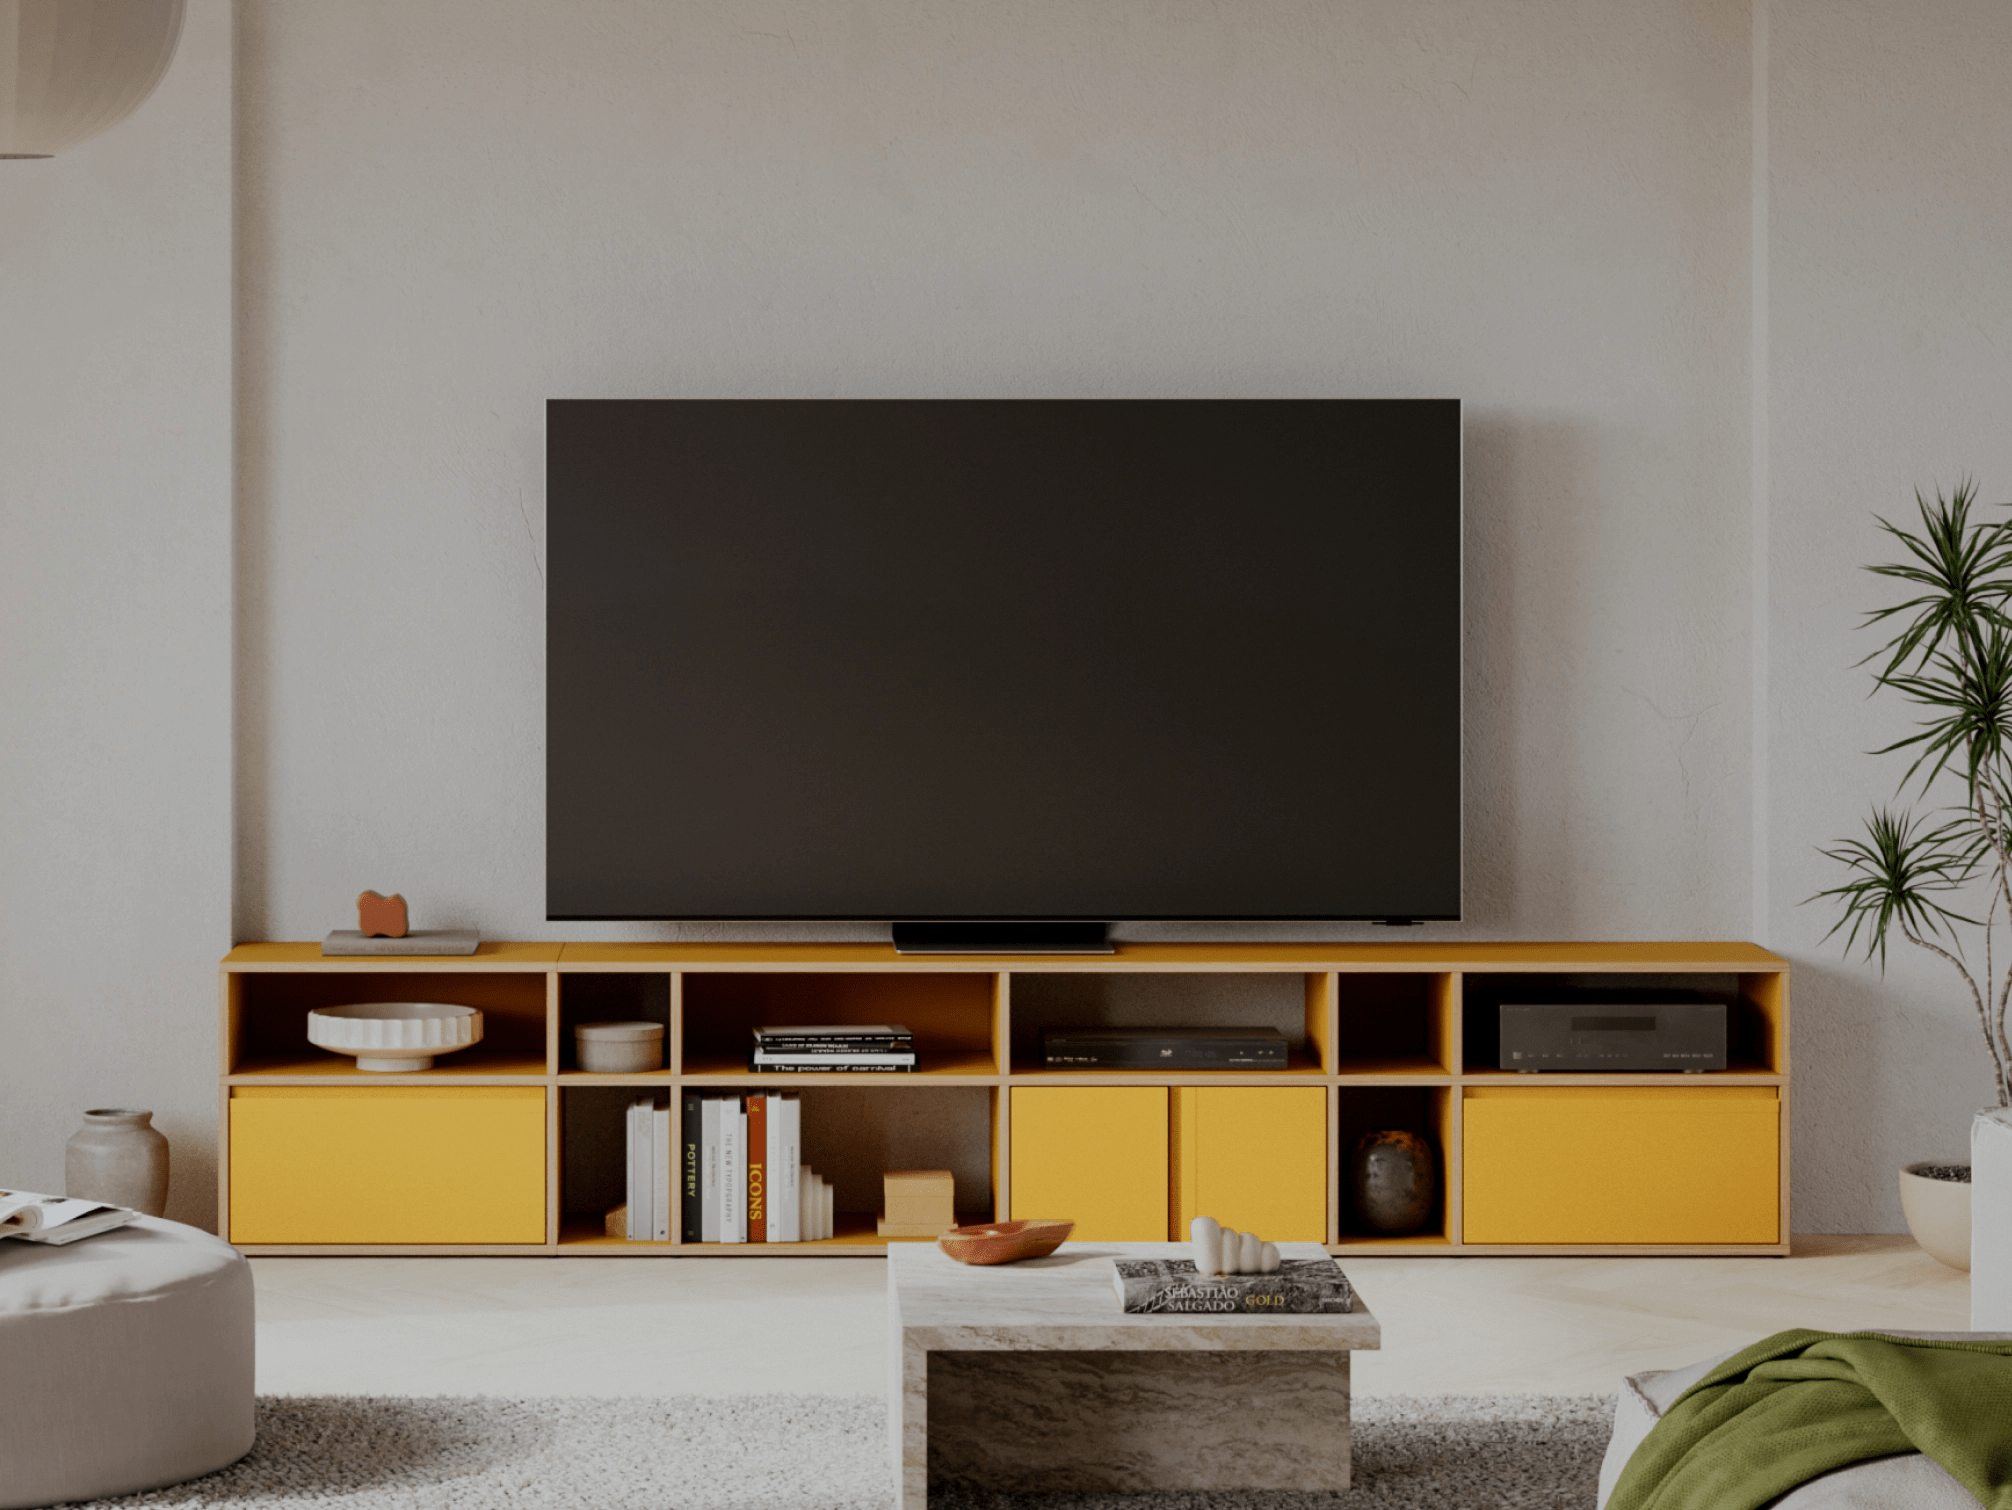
757, 1169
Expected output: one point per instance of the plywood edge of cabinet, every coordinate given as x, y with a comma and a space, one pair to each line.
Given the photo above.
1730, 957
395, 1250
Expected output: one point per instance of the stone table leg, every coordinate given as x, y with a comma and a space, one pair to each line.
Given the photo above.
908, 1423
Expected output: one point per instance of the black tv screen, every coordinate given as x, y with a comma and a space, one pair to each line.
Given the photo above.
1000, 660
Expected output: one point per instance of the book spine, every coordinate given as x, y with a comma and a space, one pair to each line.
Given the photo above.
733, 1172
1174, 1298
629, 1167
639, 1171
832, 1069
667, 1181
709, 1170
788, 1173
852, 1046
757, 1107
691, 1147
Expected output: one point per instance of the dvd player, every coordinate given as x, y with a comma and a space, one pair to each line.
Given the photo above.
1163, 1049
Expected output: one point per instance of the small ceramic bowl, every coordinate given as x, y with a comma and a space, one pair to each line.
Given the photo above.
1004, 1242
619, 1048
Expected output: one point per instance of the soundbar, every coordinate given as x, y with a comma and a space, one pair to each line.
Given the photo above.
1163, 1049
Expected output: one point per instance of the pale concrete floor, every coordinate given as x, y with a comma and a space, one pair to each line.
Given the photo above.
586, 1326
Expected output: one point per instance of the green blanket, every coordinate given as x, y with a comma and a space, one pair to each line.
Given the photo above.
1802, 1403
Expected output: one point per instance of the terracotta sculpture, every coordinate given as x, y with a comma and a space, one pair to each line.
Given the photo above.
380, 917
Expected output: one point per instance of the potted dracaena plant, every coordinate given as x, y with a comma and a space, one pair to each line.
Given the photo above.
1949, 652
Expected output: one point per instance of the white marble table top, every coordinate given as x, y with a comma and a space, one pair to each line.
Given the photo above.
1068, 1302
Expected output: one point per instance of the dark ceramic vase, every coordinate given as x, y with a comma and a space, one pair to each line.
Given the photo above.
1395, 1180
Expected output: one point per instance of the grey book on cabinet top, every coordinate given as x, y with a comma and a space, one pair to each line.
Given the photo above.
419, 941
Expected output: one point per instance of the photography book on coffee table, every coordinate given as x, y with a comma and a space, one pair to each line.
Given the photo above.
1299, 1287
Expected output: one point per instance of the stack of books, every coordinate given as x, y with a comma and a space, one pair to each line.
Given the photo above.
741, 1174
818, 1049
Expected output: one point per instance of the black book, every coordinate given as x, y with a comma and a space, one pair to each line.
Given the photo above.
691, 1208
851, 1046
1170, 1286
836, 1035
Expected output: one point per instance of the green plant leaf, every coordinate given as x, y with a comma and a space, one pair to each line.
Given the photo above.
1897, 871
1967, 690
1964, 569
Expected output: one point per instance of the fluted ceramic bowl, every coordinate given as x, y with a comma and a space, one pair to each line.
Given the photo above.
394, 1037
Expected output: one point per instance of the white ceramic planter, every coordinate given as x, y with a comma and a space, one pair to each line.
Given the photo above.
1938, 1214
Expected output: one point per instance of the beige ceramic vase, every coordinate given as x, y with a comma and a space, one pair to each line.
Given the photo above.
1938, 1212
118, 1157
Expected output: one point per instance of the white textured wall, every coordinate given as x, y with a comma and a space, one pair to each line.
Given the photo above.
451, 211
454, 210
115, 612
1890, 339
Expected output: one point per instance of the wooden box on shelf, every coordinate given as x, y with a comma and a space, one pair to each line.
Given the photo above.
1381, 1036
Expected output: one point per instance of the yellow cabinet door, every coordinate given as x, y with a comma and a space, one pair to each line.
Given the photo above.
1623, 1165
387, 1164
1252, 1157
1095, 1155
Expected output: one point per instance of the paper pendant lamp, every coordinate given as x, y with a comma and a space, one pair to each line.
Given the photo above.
72, 68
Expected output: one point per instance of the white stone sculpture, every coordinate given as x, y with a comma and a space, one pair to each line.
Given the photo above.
1223, 1250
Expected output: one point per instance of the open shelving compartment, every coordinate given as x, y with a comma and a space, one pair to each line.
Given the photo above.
265, 1023
1755, 1022
954, 1015
1430, 1112
612, 996
1296, 1003
851, 1136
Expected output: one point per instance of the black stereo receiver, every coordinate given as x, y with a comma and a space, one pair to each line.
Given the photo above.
1618, 1031
1163, 1049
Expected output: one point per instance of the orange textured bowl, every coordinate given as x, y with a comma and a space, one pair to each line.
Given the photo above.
1004, 1242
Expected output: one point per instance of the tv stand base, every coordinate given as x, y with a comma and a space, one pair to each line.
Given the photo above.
1003, 938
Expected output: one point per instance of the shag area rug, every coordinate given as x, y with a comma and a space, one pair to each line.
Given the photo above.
806, 1452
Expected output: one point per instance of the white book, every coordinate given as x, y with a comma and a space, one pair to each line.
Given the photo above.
827, 1220
660, 1150
786, 1116
639, 1175
733, 1173
709, 1169
806, 1218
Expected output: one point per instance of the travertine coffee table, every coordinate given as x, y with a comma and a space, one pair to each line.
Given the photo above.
1029, 1376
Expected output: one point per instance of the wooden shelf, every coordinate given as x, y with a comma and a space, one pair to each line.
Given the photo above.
1413, 1069
1389, 1034
856, 1238
318, 1068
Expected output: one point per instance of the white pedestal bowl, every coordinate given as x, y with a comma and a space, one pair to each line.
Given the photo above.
394, 1037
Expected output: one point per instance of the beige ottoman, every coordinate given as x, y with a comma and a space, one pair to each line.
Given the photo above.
1909, 1481
128, 1362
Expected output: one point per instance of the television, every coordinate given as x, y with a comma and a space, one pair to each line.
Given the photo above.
1003, 671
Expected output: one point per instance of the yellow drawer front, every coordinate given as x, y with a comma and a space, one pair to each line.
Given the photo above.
1588, 1165
1094, 1155
393, 1164
1252, 1157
